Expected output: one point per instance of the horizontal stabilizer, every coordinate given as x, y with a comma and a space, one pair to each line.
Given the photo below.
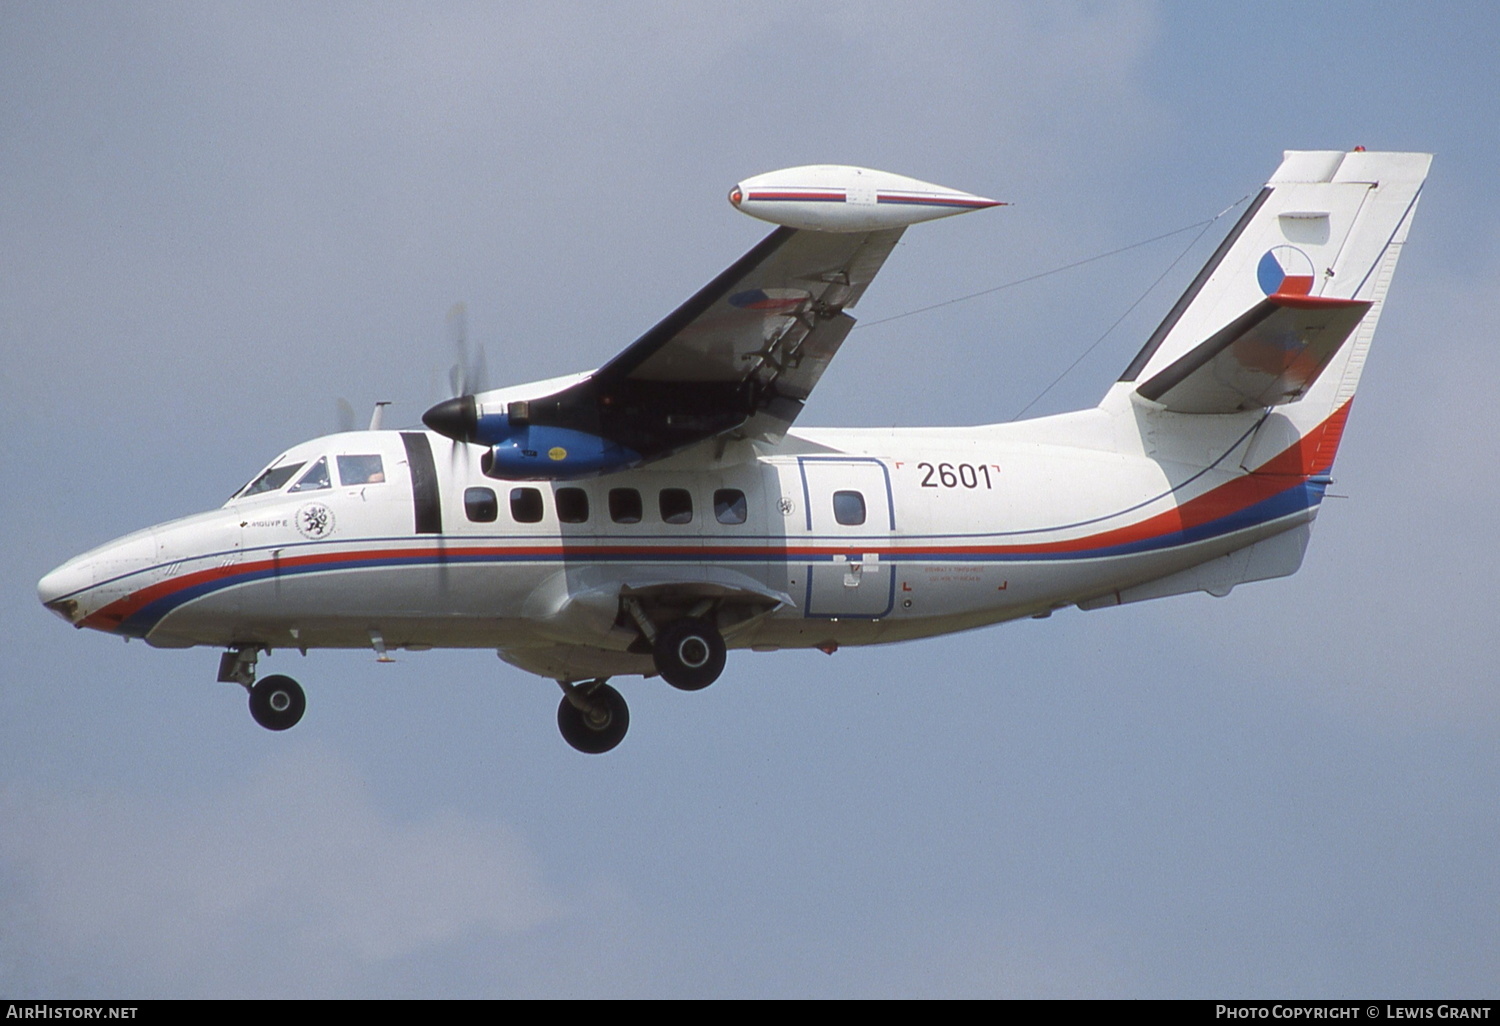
1269, 355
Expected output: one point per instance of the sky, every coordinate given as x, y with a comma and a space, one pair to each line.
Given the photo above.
216, 220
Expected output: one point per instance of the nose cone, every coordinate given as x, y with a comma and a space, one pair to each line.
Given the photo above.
61, 589
87, 583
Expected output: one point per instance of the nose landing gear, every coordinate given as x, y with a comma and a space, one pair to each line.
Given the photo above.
277, 702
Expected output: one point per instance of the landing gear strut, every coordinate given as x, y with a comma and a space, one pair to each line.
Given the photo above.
689, 653
277, 702
237, 666
593, 717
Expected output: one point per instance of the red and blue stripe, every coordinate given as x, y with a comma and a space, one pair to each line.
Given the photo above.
1291, 483
915, 199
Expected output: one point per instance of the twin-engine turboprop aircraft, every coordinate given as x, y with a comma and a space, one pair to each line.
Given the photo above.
642, 518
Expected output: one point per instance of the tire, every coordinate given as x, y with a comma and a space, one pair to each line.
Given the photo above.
689, 654
277, 702
595, 735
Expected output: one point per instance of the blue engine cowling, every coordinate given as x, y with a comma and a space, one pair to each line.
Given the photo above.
536, 453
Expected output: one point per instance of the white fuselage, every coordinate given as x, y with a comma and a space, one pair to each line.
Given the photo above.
1202, 468
849, 536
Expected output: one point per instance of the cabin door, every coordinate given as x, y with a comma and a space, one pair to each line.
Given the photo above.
849, 519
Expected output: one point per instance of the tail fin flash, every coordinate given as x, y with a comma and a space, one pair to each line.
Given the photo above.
1285, 309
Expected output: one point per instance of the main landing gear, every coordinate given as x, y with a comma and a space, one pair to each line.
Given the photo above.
688, 651
593, 716
277, 702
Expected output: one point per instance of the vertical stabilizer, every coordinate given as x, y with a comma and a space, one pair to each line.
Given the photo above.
1284, 311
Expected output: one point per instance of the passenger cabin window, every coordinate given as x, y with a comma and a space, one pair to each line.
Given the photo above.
625, 505
729, 506
849, 508
525, 505
572, 505
272, 479
479, 503
315, 478
360, 470
676, 506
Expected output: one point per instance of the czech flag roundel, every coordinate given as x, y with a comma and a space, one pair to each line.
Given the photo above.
1285, 271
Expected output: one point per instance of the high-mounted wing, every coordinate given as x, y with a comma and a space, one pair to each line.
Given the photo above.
751, 344
739, 358
755, 340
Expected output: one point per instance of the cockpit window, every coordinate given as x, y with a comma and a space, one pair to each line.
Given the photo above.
271, 480
315, 478
360, 470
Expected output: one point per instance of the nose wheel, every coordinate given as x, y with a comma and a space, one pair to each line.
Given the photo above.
277, 702
593, 717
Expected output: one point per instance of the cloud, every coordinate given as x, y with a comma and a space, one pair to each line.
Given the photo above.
177, 895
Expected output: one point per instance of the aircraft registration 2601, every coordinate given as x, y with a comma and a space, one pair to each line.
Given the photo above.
645, 517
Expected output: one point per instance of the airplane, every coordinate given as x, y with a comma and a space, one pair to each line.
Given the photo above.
643, 518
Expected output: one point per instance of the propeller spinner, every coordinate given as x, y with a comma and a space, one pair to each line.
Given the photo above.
456, 417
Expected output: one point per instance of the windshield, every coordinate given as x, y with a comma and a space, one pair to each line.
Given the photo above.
271, 480
315, 478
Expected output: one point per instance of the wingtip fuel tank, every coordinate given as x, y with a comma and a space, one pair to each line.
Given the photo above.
838, 198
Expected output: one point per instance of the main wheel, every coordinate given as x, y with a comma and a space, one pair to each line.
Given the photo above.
689, 654
599, 729
277, 702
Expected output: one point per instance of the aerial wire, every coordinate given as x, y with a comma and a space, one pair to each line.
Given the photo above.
1128, 310
1203, 227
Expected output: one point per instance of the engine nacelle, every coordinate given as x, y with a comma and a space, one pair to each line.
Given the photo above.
837, 198
534, 452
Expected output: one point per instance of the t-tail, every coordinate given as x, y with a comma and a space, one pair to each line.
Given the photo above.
1252, 373
1281, 317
